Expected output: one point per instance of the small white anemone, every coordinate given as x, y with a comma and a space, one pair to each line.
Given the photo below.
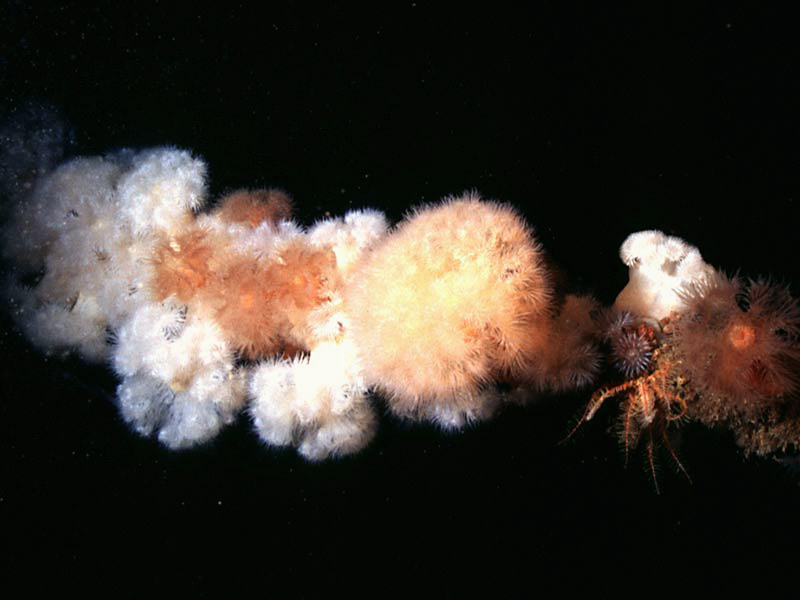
161, 191
659, 267
318, 403
348, 237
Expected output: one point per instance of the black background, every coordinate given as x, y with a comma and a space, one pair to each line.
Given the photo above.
593, 122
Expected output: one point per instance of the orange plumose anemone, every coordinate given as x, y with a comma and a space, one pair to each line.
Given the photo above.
446, 303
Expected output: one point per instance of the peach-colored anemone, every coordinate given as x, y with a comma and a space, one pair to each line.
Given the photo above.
738, 344
564, 353
260, 303
181, 265
447, 303
255, 207
263, 306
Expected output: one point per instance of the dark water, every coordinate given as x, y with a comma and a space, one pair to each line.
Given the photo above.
593, 123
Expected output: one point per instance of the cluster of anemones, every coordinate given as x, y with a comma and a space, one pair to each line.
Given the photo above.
694, 343
203, 311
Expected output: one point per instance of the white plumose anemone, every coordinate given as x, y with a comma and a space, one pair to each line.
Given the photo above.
659, 266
